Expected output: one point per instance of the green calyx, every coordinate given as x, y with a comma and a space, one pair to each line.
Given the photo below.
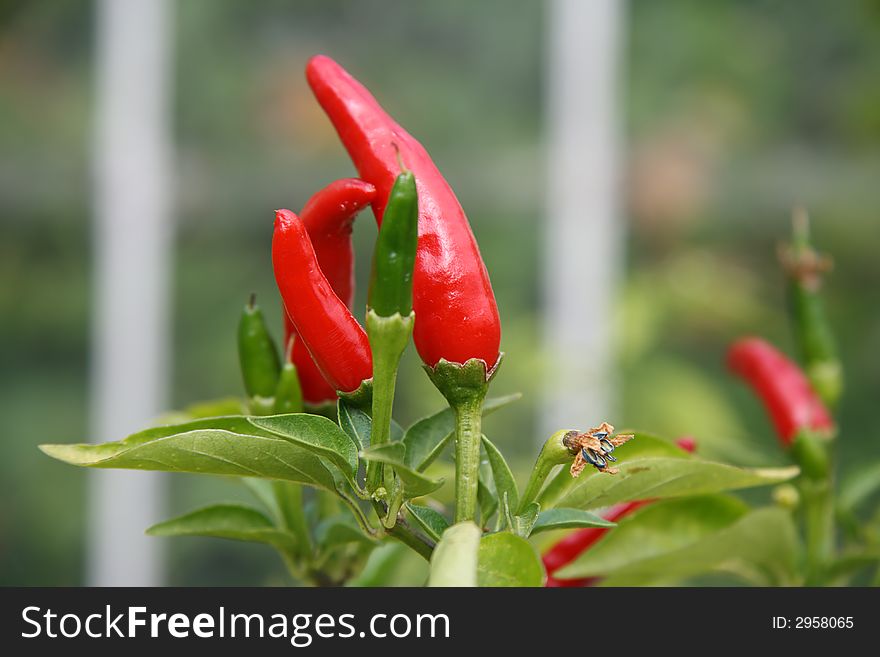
361, 397
257, 353
460, 383
812, 453
395, 253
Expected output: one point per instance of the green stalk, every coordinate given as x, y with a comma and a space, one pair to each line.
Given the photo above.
465, 386
813, 455
289, 497
553, 453
388, 339
468, 432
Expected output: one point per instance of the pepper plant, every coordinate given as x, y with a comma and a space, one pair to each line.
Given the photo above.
335, 476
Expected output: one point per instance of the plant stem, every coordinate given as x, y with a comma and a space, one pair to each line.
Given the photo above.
388, 339
468, 432
553, 453
406, 534
819, 527
290, 505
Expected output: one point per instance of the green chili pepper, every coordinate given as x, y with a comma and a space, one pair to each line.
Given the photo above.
813, 333
288, 393
395, 254
257, 354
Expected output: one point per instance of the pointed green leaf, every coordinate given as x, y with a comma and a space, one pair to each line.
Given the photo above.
233, 521
504, 481
316, 434
432, 522
666, 477
340, 530
508, 560
525, 521
454, 561
415, 484
426, 438
220, 446
356, 423
567, 519
760, 546
654, 530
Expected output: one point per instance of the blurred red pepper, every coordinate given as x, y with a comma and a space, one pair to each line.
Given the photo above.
574, 544
323, 322
782, 387
328, 216
456, 315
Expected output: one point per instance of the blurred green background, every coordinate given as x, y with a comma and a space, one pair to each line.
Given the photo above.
734, 111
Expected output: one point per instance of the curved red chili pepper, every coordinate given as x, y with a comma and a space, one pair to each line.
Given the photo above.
328, 216
452, 296
781, 386
572, 546
333, 337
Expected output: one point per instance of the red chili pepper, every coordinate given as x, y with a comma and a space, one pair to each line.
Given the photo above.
333, 337
328, 216
572, 546
456, 315
782, 386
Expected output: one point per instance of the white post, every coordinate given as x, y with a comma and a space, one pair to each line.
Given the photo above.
583, 235
133, 239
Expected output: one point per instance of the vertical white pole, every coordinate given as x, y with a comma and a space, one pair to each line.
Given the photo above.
133, 239
583, 237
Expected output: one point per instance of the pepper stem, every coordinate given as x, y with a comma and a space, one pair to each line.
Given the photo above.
388, 339
465, 387
554, 452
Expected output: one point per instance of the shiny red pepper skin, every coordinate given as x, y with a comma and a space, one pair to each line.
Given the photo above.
328, 216
456, 315
782, 387
333, 337
570, 548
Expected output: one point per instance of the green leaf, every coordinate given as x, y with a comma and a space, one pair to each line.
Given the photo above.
666, 477
673, 540
262, 489
487, 500
644, 445
567, 519
316, 434
525, 521
504, 481
415, 484
233, 521
508, 560
454, 561
356, 423
426, 438
761, 547
859, 486
432, 522
655, 530
340, 530
219, 446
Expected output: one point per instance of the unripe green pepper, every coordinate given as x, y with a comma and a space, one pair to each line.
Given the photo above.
395, 253
257, 354
288, 392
